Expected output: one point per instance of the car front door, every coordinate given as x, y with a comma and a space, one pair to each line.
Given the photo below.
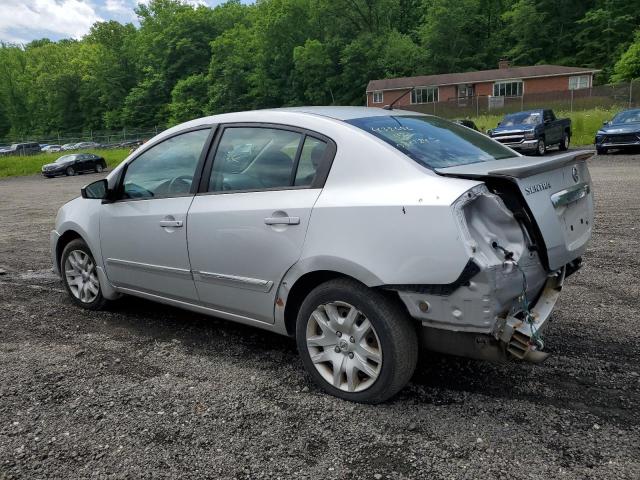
248, 222
143, 232
82, 162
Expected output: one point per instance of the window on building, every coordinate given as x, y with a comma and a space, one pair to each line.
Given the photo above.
579, 81
512, 88
424, 95
378, 96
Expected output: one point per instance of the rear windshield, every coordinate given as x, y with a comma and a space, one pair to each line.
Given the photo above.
522, 118
432, 141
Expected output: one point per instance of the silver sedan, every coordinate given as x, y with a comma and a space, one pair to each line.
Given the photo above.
360, 232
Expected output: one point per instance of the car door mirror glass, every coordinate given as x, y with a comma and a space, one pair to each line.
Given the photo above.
97, 190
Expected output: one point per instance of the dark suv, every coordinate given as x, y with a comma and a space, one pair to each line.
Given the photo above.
29, 148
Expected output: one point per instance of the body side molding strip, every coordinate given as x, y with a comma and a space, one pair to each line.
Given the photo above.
149, 267
233, 280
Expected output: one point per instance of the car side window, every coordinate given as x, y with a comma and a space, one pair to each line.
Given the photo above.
254, 158
313, 151
548, 116
166, 169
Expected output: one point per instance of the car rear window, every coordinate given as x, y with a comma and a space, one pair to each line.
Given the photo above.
432, 141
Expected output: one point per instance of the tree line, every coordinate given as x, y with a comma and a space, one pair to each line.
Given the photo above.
182, 61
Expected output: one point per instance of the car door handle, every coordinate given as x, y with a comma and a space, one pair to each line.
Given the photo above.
171, 223
282, 220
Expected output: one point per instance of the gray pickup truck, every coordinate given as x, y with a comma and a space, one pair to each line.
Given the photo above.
533, 131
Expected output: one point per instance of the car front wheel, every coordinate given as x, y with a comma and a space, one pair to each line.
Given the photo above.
541, 148
601, 150
70, 171
355, 342
80, 276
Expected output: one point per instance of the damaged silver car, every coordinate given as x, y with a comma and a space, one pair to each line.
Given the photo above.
361, 232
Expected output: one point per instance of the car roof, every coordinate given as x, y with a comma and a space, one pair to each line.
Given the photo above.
287, 115
336, 113
535, 110
346, 113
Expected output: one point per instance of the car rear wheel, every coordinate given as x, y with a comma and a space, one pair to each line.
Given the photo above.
80, 276
541, 149
564, 144
355, 342
70, 172
601, 150
99, 168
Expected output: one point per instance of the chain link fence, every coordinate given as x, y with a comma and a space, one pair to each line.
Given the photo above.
606, 97
105, 138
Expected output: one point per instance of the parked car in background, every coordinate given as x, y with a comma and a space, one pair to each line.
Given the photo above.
74, 163
320, 223
533, 131
86, 145
67, 147
52, 148
465, 122
28, 148
623, 131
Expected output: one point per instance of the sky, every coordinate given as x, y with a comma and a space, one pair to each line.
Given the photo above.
24, 20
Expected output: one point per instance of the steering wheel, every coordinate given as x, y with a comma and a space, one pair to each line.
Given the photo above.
186, 180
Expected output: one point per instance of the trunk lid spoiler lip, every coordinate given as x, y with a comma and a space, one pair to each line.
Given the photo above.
516, 167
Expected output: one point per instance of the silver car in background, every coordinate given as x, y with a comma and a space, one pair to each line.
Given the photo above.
362, 232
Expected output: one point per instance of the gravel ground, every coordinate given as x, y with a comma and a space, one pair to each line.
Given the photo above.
148, 391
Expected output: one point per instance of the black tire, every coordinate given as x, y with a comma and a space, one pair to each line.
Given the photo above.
70, 171
541, 148
99, 302
394, 329
601, 151
564, 143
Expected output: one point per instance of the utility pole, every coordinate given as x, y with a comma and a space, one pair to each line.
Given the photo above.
571, 105
630, 92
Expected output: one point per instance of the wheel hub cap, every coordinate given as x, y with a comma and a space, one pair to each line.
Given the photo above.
81, 277
344, 347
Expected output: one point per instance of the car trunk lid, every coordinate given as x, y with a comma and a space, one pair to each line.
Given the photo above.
557, 191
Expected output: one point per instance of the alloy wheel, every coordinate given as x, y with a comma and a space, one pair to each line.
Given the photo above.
344, 346
81, 276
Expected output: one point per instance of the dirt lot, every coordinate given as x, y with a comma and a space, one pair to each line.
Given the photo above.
147, 391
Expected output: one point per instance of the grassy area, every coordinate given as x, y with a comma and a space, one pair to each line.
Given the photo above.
13, 166
584, 124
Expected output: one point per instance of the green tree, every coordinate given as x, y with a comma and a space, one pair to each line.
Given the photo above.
628, 67
188, 98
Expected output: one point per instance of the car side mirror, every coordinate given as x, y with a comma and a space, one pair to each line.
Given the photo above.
605, 123
98, 190
499, 123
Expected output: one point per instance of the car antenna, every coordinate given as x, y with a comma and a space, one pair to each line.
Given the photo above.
390, 107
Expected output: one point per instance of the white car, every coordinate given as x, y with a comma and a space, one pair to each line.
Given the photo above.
52, 148
359, 231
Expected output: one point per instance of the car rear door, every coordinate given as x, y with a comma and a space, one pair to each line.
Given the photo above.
143, 233
248, 222
553, 128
